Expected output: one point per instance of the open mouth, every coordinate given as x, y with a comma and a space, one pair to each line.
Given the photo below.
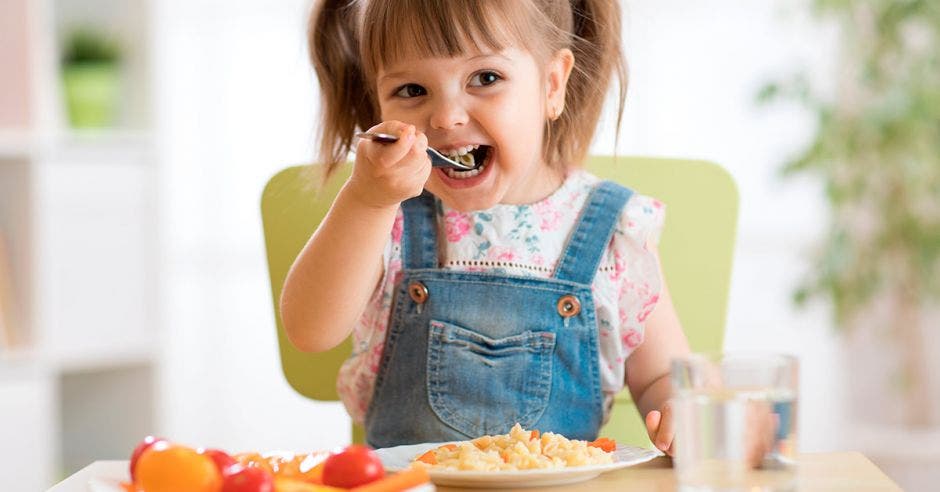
474, 156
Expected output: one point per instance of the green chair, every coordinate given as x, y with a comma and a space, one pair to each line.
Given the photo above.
695, 250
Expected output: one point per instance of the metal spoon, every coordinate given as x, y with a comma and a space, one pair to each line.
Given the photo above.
437, 159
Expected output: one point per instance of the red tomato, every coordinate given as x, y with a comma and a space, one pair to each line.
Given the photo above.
139, 450
240, 478
222, 459
356, 465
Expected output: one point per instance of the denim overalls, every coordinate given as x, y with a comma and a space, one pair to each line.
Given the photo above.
470, 353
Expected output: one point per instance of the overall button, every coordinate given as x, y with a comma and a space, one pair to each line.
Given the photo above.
569, 306
418, 292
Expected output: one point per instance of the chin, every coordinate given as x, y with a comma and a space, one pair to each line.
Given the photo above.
465, 205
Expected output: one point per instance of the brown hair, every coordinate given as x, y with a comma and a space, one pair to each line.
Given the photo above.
350, 39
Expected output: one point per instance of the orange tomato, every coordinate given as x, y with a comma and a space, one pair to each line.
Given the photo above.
173, 468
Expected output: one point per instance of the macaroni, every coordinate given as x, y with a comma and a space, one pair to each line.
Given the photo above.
518, 450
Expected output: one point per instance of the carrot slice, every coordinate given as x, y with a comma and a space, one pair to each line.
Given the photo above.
604, 443
534, 435
428, 457
284, 484
402, 480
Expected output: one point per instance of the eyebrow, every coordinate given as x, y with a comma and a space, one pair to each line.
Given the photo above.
403, 74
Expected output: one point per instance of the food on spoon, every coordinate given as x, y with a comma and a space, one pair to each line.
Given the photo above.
520, 449
471, 156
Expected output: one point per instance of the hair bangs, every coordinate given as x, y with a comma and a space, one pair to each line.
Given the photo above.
392, 32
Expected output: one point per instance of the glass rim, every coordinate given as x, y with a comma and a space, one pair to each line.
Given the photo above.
716, 356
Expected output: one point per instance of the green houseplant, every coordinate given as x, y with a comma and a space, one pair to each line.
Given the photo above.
91, 78
877, 151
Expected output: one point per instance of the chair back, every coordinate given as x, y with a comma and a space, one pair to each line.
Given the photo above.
695, 250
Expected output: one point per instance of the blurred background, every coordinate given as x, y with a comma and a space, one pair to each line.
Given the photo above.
136, 137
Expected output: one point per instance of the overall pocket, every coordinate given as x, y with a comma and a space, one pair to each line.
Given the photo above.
480, 385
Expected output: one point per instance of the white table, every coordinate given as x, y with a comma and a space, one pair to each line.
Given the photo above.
844, 471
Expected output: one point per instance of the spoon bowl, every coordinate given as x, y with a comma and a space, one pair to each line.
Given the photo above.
437, 159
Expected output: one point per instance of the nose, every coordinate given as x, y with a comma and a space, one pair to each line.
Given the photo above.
448, 113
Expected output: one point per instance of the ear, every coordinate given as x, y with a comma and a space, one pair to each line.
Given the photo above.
559, 68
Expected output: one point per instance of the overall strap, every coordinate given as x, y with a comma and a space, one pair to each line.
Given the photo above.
419, 235
588, 242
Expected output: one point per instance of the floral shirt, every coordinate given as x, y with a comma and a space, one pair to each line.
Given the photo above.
527, 240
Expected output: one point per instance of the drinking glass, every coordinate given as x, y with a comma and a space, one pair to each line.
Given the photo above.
736, 421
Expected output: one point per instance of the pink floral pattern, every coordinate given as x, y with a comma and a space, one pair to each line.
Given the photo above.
527, 240
548, 214
456, 225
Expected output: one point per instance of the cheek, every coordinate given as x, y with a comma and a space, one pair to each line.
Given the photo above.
520, 117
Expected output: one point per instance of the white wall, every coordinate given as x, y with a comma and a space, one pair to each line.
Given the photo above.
237, 102
696, 68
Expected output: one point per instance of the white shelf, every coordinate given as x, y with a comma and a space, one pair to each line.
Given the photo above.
19, 364
75, 145
19, 361
100, 360
16, 145
78, 209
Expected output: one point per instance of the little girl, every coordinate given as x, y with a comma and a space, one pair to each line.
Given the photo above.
522, 290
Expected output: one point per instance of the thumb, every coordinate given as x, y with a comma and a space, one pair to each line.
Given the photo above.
652, 423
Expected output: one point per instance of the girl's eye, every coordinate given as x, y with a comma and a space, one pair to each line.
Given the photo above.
410, 90
484, 78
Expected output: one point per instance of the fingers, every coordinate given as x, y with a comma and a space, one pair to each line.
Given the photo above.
762, 423
388, 154
419, 148
660, 426
652, 424
667, 429
386, 174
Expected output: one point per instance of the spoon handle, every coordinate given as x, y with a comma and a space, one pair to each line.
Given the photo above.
378, 137
437, 159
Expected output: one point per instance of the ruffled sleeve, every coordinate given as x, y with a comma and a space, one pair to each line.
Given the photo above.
636, 270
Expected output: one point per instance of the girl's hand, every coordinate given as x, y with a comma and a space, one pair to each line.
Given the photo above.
761, 429
387, 174
661, 427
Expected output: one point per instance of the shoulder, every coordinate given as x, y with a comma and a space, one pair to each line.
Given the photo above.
641, 218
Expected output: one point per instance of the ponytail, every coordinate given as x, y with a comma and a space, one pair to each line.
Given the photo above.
596, 43
334, 52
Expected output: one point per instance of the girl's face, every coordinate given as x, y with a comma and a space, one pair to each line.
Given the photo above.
492, 103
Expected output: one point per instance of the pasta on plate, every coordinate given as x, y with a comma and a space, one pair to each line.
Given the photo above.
520, 449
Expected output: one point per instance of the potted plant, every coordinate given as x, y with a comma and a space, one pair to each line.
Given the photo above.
877, 151
91, 78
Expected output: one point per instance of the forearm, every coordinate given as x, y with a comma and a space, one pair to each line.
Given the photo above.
654, 395
647, 368
333, 277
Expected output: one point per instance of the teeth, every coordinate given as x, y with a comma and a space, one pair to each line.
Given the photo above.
463, 155
453, 173
460, 151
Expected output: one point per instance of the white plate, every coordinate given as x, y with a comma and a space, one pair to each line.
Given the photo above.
400, 457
